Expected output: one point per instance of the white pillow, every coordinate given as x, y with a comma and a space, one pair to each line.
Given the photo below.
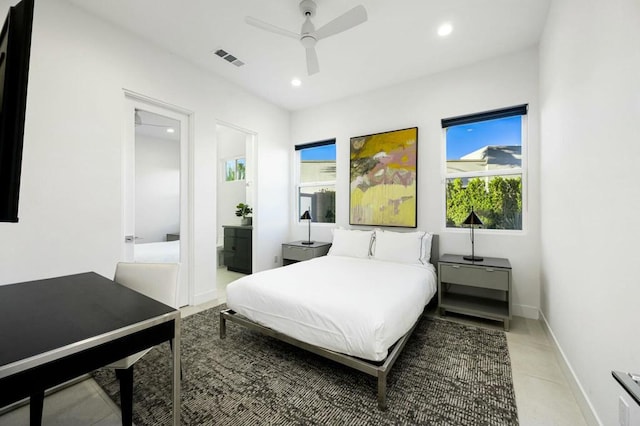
403, 247
350, 242
426, 247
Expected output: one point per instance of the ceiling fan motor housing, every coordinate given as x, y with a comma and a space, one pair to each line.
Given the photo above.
308, 8
308, 41
307, 32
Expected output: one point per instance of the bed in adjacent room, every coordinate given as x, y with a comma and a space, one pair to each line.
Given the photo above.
162, 252
358, 305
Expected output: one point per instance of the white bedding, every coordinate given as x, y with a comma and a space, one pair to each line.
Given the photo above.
358, 307
163, 252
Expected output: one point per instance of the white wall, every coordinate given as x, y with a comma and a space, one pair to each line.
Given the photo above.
590, 110
497, 83
157, 189
70, 199
231, 144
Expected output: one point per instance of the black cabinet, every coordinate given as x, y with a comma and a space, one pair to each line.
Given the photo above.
237, 248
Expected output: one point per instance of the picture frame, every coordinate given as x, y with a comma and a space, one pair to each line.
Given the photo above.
383, 185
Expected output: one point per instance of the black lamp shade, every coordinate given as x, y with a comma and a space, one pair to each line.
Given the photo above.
472, 219
305, 216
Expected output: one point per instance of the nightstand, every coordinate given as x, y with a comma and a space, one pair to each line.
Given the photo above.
296, 251
481, 289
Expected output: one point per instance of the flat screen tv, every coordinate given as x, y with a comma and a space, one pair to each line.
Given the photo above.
15, 48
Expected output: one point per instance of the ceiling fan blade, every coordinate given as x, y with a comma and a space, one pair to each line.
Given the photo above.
271, 28
350, 19
312, 61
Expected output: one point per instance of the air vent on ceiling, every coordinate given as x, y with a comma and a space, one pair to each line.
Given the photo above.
229, 57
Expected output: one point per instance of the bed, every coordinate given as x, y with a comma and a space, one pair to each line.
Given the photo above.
357, 306
162, 252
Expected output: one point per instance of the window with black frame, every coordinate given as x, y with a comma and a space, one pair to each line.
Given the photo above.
316, 186
486, 167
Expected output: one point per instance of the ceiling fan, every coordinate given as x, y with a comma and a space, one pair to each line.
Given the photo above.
308, 35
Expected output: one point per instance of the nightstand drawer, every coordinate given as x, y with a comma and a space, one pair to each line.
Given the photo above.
298, 253
484, 277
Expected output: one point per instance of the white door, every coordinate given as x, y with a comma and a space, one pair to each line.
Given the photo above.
156, 187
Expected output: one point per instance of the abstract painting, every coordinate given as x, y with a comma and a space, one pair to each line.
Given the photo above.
383, 182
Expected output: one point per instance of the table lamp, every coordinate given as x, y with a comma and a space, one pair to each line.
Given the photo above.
472, 220
307, 216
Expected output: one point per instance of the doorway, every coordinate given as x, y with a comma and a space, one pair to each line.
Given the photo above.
157, 187
235, 184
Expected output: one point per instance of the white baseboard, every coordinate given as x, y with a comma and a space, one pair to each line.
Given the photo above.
205, 297
579, 394
525, 311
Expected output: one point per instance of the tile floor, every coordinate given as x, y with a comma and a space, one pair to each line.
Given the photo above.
543, 395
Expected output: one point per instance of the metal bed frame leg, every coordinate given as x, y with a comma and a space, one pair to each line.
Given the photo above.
382, 390
379, 371
223, 325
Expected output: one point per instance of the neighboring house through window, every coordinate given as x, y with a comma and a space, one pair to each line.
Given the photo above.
485, 167
316, 183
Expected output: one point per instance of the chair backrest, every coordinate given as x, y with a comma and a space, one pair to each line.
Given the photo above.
156, 280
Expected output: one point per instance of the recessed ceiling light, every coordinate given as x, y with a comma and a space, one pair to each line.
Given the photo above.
445, 29
171, 130
296, 82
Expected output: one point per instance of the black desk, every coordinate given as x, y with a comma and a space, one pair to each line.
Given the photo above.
56, 329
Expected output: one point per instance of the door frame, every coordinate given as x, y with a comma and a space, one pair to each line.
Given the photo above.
133, 101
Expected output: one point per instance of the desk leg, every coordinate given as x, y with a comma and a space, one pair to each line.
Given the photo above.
36, 404
175, 343
125, 377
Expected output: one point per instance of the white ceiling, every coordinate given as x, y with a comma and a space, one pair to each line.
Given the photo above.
155, 126
398, 42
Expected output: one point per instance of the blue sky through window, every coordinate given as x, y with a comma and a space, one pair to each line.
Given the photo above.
326, 152
466, 138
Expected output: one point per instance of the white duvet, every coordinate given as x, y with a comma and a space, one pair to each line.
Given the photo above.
358, 307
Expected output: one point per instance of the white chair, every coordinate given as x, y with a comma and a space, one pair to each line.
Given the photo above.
158, 281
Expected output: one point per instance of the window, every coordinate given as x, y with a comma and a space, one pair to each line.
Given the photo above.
485, 167
234, 169
317, 180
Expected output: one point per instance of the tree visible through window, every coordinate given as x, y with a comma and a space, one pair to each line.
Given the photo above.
484, 168
317, 180
235, 169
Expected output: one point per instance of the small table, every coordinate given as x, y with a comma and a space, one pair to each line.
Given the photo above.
631, 386
491, 275
296, 251
56, 329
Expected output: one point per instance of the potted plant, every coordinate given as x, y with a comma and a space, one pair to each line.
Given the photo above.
244, 211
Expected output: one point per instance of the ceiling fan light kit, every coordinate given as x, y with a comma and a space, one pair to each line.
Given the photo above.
308, 35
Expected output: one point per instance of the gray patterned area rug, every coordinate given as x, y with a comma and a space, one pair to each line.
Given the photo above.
448, 374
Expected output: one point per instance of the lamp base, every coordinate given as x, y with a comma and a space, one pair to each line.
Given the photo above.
307, 243
473, 258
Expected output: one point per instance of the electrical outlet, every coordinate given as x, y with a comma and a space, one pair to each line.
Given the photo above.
623, 412
275, 259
